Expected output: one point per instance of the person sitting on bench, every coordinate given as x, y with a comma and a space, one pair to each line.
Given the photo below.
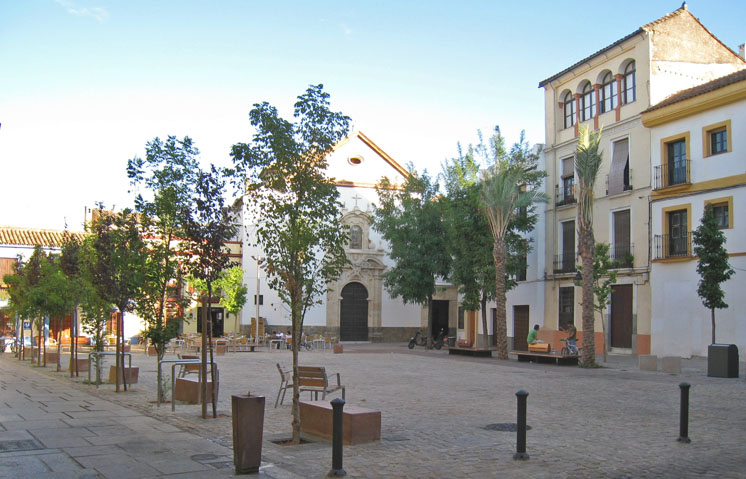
532, 335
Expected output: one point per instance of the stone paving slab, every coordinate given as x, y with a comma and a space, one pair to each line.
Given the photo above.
612, 422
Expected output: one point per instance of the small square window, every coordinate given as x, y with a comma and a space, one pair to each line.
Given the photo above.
721, 215
718, 141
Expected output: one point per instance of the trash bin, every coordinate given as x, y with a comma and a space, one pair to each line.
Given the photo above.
248, 426
451, 341
722, 360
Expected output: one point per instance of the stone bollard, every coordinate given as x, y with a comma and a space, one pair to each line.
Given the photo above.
248, 427
684, 414
337, 438
520, 449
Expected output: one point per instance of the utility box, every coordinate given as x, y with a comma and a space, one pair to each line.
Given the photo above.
722, 361
248, 427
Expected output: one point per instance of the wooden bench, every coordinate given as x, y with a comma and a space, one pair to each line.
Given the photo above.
315, 380
526, 356
359, 425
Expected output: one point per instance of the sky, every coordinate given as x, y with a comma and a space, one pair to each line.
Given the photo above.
85, 84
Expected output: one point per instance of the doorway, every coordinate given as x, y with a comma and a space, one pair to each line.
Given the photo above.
621, 316
217, 321
440, 317
520, 327
353, 321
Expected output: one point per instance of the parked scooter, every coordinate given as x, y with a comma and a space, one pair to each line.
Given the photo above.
420, 339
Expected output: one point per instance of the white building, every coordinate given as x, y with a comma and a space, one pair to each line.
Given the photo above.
698, 156
358, 307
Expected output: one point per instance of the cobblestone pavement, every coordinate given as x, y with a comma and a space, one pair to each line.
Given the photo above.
614, 422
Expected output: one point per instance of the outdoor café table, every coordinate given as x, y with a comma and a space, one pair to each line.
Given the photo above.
272, 343
319, 340
104, 353
179, 362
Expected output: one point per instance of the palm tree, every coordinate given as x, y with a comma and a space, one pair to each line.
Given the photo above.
587, 164
501, 194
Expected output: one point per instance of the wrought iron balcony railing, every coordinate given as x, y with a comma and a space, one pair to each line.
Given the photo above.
564, 263
565, 194
672, 174
621, 254
668, 246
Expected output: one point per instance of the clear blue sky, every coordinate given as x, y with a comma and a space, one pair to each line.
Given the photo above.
84, 84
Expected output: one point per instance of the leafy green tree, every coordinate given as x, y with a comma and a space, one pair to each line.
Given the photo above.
587, 165
209, 225
282, 172
713, 266
604, 276
470, 240
168, 173
55, 297
507, 188
118, 268
410, 219
19, 303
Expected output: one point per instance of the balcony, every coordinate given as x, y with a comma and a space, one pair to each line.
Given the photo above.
564, 263
621, 255
667, 246
627, 182
565, 194
672, 174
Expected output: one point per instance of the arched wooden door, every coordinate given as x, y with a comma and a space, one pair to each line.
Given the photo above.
353, 321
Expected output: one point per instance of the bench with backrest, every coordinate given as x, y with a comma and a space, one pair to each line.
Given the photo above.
315, 380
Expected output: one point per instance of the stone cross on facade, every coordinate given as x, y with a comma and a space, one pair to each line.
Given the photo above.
357, 197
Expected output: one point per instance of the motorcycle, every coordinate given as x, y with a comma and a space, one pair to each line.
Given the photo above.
420, 339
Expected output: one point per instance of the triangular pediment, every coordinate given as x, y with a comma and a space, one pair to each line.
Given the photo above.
358, 162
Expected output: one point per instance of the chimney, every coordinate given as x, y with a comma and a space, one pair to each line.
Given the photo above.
742, 50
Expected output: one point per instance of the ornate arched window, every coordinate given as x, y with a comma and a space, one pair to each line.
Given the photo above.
356, 237
608, 93
587, 103
629, 91
568, 105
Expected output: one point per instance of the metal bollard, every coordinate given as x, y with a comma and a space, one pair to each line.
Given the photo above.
337, 437
684, 414
520, 449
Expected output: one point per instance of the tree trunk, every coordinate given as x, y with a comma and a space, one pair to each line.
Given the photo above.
484, 320
22, 347
501, 331
712, 315
606, 343
586, 245
209, 345
118, 360
74, 342
295, 306
59, 345
429, 343
203, 363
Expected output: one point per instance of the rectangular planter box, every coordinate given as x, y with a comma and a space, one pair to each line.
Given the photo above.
131, 374
187, 390
82, 365
359, 424
722, 360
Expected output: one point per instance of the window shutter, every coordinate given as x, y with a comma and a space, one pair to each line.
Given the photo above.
568, 167
619, 161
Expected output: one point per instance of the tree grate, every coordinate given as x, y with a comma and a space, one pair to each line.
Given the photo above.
504, 427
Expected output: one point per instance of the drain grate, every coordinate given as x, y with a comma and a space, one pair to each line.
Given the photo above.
504, 427
20, 445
